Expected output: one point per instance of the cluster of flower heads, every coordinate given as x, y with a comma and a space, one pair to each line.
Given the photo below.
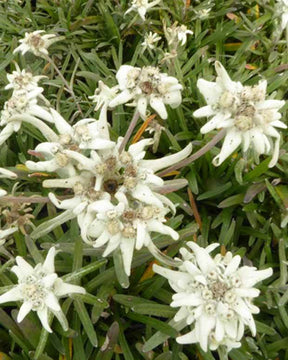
39, 289
26, 104
117, 196
244, 112
214, 295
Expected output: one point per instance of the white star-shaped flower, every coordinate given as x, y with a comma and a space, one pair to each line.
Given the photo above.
103, 95
21, 80
15, 109
107, 175
150, 40
127, 172
85, 134
127, 226
215, 296
39, 289
249, 119
141, 6
177, 34
147, 86
37, 43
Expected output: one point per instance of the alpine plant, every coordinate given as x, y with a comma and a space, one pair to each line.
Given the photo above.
37, 42
215, 296
147, 86
248, 117
117, 195
39, 290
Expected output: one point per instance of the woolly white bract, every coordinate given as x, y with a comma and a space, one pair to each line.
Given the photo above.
106, 179
141, 6
116, 197
245, 114
215, 295
147, 86
85, 134
103, 95
177, 34
37, 43
39, 289
150, 40
24, 80
26, 104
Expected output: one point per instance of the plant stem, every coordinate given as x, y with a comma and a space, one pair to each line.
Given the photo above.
129, 131
69, 89
195, 156
28, 199
223, 354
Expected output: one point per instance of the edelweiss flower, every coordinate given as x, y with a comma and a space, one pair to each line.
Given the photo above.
282, 9
150, 40
147, 86
202, 14
121, 183
127, 226
39, 289
141, 6
85, 134
103, 95
127, 172
24, 81
215, 295
37, 43
245, 114
177, 34
20, 104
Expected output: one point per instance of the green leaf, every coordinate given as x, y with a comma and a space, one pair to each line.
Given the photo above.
231, 201
159, 337
156, 324
122, 277
78, 274
125, 347
86, 321
215, 192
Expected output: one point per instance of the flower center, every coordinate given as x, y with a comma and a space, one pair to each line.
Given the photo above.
147, 87
242, 107
110, 186
218, 289
36, 41
34, 293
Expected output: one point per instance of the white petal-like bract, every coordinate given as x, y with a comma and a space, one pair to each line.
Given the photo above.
214, 295
39, 289
249, 119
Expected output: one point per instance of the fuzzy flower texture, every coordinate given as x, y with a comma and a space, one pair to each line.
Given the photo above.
214, 295
117, 195
39, 289
147, 86
141, 6
37, 43
249, 119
